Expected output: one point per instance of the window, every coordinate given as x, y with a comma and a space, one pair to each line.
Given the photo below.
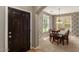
45, 23
63, 22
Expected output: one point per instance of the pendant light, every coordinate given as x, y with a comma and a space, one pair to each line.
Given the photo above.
59, 14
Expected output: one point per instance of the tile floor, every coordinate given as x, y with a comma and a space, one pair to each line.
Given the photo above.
46, 46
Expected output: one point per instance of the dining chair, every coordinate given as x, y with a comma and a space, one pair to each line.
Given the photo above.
50, 35
65, 38
56, 37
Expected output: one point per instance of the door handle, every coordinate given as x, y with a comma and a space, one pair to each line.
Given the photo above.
10, 32
10, 36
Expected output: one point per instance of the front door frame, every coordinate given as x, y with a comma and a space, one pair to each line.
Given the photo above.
6, 26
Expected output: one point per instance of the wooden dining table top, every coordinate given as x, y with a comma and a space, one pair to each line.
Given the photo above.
62, 32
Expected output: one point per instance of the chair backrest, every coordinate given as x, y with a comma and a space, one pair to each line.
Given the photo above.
53, 32
67, 34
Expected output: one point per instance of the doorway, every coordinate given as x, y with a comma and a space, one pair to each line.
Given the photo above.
18, 30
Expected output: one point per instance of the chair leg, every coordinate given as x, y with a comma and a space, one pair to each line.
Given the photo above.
58, 42
50, 39
67, 41
53, 39
63, 42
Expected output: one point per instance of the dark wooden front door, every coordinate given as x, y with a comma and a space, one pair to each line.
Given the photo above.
18, 30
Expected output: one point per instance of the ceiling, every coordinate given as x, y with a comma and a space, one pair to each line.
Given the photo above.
54, 10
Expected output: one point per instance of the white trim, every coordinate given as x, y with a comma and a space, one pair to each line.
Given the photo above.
16, 7
6, 27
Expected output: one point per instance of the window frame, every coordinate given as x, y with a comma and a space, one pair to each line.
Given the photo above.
47, 22
63, 18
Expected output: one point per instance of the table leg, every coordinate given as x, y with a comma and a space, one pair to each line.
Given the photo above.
62, 41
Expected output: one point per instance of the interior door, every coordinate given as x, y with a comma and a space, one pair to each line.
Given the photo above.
18, 30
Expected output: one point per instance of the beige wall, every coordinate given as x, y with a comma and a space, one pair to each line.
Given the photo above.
2, 28
33, 27
53, 22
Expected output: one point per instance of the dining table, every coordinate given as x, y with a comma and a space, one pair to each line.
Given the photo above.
62, 32
58, 34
